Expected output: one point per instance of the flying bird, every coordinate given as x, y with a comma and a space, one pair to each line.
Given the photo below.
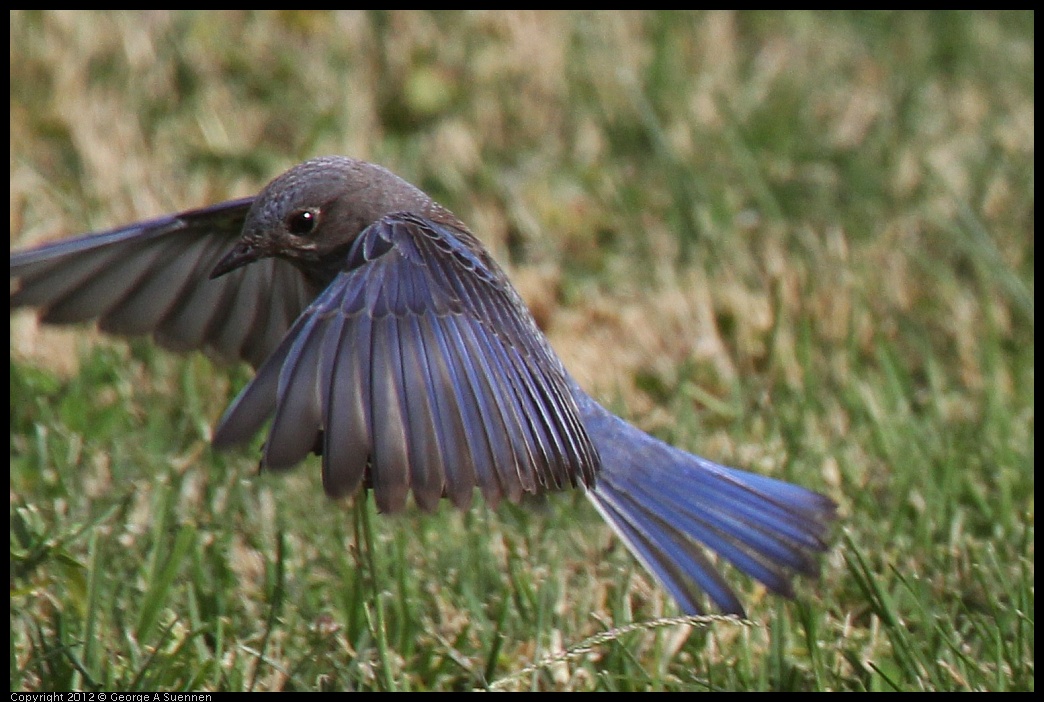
388, 341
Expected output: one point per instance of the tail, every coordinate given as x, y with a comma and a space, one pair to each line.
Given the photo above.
669, 506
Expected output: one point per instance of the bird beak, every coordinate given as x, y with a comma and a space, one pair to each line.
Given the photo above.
242, 253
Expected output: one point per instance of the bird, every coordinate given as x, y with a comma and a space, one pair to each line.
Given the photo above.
386, 340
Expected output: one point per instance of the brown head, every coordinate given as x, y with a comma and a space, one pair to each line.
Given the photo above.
318, 208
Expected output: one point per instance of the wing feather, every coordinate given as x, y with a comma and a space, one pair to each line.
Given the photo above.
425, 375
153, 277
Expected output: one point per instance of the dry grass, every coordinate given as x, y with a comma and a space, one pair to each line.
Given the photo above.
801, 243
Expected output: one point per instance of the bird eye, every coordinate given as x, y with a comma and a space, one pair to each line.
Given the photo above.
301, 222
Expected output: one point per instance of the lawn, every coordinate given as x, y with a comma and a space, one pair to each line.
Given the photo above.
797, 243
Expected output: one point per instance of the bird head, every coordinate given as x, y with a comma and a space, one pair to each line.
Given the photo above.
317, 209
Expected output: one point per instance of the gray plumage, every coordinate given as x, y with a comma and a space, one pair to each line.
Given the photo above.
387, 340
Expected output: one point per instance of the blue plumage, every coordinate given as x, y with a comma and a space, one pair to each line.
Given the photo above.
387, 340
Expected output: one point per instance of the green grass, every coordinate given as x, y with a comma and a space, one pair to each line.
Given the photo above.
797, 243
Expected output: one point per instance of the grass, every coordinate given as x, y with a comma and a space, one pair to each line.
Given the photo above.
797, 243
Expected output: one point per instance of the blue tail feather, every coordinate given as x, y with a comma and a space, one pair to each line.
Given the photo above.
670, 506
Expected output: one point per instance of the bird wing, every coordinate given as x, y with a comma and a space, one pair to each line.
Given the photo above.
420, 369
153, 278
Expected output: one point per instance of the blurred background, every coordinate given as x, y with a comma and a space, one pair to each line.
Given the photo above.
798, 243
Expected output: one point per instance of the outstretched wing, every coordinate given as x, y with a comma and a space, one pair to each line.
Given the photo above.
153, 278
418, 369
